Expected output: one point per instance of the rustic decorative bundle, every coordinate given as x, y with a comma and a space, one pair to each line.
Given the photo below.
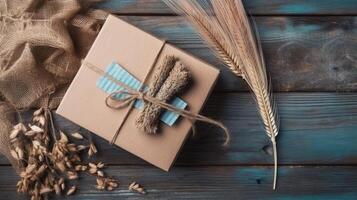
169, 79
224, 25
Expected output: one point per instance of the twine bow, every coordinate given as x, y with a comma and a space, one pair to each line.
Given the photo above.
131, 95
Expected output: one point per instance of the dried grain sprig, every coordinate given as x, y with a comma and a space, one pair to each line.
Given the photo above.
46, 165
225, 27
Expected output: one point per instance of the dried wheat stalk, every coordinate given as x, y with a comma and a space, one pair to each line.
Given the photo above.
224, 25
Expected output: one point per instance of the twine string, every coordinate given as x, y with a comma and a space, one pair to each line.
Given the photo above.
141, 87
131, 95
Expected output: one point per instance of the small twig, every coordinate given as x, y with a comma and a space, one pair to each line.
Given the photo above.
53, 129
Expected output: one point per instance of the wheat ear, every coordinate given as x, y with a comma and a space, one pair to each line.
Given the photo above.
224, 25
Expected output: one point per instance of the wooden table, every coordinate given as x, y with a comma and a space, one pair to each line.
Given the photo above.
311, 53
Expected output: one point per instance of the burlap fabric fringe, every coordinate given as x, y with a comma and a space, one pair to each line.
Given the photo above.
41, 46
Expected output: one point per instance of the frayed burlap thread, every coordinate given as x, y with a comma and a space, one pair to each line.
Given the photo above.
42, 44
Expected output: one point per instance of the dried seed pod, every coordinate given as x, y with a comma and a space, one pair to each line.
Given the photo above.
92, 149
77, 136
40, 158
63, 186
36, 144
100, 184
137, 188
13, 141
99, 187
20, 153
61, 165
14, 154
93, 170
64, 138
72, 175
92, 165
38, 112
23, 174
90, 152
72, 147
114, 184
84, 168
69, 164
14, 133
21, 127
40, 120
30, 133
36, 128
78, 168
81, 147
30, 168
100, 181
45, 190
57, 189
71, 190
41, 170
100, 165
60, 181
100, 173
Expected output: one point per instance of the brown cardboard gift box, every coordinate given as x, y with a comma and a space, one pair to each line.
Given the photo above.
136, 51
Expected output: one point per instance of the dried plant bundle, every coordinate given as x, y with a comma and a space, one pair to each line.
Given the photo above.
224, 25
48, 165
171, 78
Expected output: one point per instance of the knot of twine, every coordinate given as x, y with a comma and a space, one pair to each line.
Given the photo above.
132, 95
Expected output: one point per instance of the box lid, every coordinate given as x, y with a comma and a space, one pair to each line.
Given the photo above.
135, 50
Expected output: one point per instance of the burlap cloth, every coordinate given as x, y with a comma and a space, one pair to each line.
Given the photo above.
42, 43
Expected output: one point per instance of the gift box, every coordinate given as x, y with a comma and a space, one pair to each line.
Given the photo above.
128, 54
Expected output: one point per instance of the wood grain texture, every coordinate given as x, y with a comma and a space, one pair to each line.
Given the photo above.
219, 182
302, 53
255, 7
307, 50
316, 128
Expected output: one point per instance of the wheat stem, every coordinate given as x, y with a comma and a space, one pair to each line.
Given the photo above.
275, 153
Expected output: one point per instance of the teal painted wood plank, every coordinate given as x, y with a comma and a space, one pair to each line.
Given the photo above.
316, 128
214, 182
302, 53
255, 7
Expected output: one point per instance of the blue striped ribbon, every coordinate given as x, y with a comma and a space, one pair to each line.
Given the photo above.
120, 74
